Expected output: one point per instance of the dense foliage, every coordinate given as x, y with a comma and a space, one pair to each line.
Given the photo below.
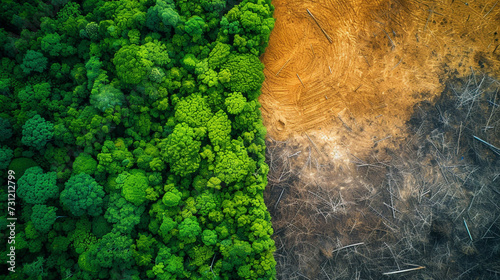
135, 135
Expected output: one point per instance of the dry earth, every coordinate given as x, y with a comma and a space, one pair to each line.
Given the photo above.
384, 57
366, 177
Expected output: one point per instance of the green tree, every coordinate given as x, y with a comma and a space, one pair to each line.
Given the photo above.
6, 155
34, 270
207, 202
235, 103
84, 163
34, 61
189, 229
194, 27
156, 75
113, 250
209, 237
168, 265
60, 244
156, 52
172, 198
81, 236
246, 72
51, 43
189, 62
106, 96
20, 165
207, 75
148, 157
37, 187
133, 185
213, 6
131, 63
83, 195
100, 226
162, 16
235, 253
123, 214
35, 97
43, 217
93, 67
5, 129
219, 54
167, 225
219, 129
5, 86
92, 31
181, 150
114, 157
250, 116
232, 164
144, 249
251, 21
37, 132
193, 110
229, 27
163, 11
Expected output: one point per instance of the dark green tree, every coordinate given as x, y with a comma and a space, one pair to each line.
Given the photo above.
37, 132
43, 217
6, 155
35, 270
37, 187
34, 61
83, 195
5, 129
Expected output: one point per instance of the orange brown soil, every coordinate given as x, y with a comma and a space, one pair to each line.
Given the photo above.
385, 57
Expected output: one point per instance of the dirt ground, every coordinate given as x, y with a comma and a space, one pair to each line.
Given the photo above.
373, 163
384, 57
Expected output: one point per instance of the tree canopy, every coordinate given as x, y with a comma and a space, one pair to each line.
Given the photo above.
133, 132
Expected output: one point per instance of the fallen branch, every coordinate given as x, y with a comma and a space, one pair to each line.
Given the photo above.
211, 266
279, 198
343, 123
297, 153
490, 10
348, 246
458, 141
322, 30
300, 80
387, 137
282, 67
397, 64
314, 145
492, 148
467, 228
404, 270
390, 40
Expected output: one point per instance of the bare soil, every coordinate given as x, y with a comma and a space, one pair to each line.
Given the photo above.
385, 57
374, 167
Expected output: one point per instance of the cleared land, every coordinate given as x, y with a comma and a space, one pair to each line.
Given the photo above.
385, 57
374, 165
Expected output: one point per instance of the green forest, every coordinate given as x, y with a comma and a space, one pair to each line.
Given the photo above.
131, 140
